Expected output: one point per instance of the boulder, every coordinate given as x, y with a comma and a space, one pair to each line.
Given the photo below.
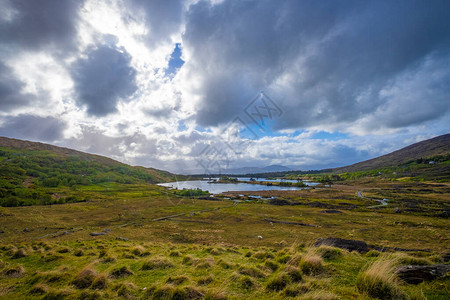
416, 274
350, 245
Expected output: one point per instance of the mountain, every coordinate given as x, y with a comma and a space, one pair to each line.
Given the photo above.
33, 173
436, 146
255, 170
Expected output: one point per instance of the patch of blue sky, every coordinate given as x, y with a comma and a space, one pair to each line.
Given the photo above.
175, 62
324, 135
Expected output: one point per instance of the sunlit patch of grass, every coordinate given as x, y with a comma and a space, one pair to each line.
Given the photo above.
311, 263
378, 280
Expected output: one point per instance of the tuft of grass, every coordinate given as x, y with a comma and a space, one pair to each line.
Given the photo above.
328, 252
295, 290
294, 273
84, 279
100, 283
175, 253
78, 252
120, 272
295, 260
157, 263
63, 250
319, 295
263, 255
164, 292
188, 260
246, 282
50, 256
177, 280
251, 271
14, 272
39, 289
206, 280
278, 283
379, 280
139, 251
125, 289
311, 263
373, 253
19, 254
283, 259
405, 259
271, 265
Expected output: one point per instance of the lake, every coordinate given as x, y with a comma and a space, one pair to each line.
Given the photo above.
217, 188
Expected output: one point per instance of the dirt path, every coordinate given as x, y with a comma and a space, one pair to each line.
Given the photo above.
383, 202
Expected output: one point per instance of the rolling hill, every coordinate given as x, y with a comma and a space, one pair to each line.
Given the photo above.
33, 173
436, 146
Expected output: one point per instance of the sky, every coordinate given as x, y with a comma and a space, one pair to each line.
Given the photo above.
203, 86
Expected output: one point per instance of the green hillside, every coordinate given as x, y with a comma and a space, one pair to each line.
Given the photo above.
35, 173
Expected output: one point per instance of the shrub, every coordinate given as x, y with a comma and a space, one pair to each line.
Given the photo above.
379, 280
278, 283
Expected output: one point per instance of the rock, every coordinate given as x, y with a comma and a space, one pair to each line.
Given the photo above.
26, 229
121, 238
416, 274
350, 245
107, 230
97, 233
331, 211
280, 202
447, 257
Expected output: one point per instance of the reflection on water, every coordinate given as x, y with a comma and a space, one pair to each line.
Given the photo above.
217, 188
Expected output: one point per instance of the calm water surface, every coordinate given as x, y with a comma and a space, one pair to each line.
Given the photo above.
217, 188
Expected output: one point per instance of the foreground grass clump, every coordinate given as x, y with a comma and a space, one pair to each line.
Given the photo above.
195, 273
379, 280
311, 263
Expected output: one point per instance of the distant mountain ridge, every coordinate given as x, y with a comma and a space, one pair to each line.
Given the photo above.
248, 170
439, 145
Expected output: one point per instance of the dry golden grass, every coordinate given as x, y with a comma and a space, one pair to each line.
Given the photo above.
378, 280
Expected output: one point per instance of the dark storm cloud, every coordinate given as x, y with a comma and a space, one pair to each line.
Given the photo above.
325, 62
11, 95
103, 79
33, 127
38, 24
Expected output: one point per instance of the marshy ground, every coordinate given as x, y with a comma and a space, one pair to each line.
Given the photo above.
223, 249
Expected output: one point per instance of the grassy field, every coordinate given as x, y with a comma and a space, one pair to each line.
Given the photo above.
156, 244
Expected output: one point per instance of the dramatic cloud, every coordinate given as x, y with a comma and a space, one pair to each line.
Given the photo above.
32, 127
39, 24
157, 83
11, 95
327, 63
103, 78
